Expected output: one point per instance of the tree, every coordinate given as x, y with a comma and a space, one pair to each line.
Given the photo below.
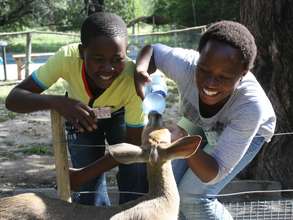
61, 14
271, 22
18, 15
16, 11
197, 12
92, 6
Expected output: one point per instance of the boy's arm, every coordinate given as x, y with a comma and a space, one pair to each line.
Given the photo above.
81, 176
26, 97
145, 65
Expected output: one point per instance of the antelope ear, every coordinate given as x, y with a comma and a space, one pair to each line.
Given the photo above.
183, 147
128, 153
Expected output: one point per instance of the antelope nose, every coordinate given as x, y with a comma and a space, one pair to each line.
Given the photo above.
154, 155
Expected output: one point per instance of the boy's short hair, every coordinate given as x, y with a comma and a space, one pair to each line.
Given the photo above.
102, 24
234, 34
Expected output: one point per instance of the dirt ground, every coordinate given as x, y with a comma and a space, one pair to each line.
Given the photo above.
21, 166
26, 156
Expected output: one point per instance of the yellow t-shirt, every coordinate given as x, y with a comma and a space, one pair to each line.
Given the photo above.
67, 64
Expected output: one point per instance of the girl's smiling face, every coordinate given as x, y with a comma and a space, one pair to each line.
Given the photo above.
104, 59
219, 70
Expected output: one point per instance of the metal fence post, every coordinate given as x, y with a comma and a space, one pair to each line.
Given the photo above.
3, 44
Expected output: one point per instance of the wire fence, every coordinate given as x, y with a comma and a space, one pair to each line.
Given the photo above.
185, 38
263, 207
25, 47
259, 209
265, 210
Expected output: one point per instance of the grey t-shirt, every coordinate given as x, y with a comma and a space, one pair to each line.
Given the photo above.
247, 113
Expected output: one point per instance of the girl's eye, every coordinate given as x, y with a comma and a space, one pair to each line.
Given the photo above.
201, 70
225, 78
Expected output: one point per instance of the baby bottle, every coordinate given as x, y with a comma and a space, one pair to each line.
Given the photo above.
155, 94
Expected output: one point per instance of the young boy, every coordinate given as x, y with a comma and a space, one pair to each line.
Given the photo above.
101, 102
222, 101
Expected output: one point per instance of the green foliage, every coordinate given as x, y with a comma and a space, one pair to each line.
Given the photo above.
197, 12
55, 14
124, 8
64, 15
61, 15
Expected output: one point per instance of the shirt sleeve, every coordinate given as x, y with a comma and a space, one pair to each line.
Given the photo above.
176, 63
47, 74
235, 140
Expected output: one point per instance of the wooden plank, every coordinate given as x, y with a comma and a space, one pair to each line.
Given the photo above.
22, 55
21, 61
60, 155
28, 52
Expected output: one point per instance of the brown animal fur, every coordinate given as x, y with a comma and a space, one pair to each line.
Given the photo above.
161, 203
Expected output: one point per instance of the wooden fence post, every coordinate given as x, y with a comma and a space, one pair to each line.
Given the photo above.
60, 155
28, 53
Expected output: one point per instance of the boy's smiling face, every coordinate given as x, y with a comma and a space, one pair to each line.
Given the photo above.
219, 70
104, 59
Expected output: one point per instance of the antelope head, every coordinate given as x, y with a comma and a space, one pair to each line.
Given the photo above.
156, 145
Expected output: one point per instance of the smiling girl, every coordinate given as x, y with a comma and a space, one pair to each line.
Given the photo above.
220, 100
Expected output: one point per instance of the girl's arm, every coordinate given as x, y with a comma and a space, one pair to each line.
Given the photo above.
145, 65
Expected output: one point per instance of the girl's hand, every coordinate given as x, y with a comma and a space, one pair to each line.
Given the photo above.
144, 66
140, 79
176, 131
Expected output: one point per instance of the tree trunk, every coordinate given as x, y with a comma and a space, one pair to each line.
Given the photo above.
271, 22
92, 6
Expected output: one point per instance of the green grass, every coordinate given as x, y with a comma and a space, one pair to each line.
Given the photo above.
4, 90
40, 43
52, 42
38, 150
57, 89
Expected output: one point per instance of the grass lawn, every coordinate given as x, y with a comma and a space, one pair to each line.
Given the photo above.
58, 88
40, 43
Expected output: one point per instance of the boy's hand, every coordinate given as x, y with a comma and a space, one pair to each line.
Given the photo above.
77, 113
140, 79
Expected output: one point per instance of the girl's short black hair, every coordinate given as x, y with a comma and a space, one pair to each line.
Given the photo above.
102, 24
234, 34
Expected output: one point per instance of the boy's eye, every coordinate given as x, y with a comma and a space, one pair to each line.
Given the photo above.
99, 60
118, 60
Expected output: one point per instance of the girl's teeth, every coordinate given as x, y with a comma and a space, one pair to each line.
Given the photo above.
210, 93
